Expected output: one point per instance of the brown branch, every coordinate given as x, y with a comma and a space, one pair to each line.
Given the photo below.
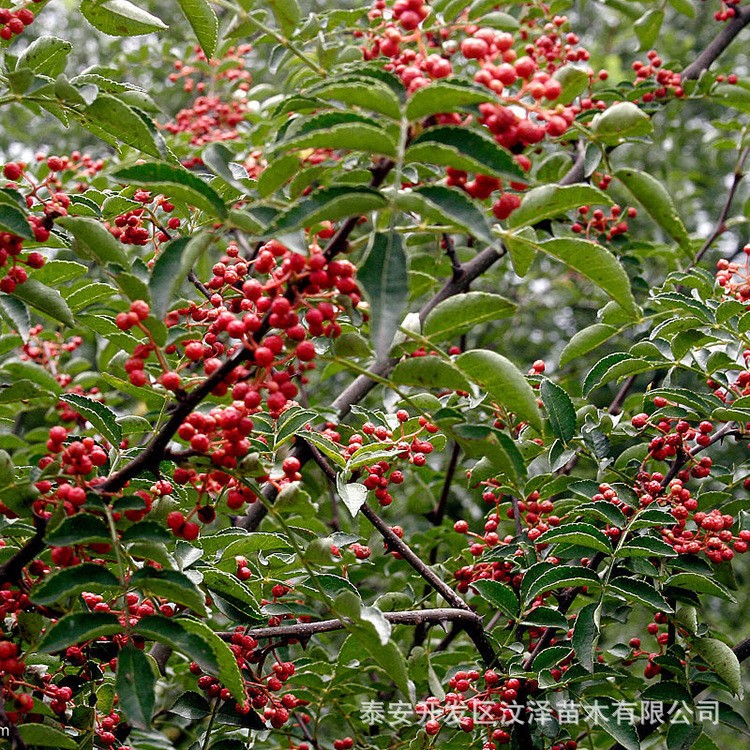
12, 569
720, 226
718, 44
303, 630
198, 284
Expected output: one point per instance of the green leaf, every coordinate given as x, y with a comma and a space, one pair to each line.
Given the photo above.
619, 122
204, 23
338, 131
172, 585
102, 418
586, 635
79, 627
191, 705
134, 685
648, 26
614, 366
646, 546
33, 372
446, 95
46, 55
498, 595
560, 410
287, 14
120, 18
219, 159
551, 201
560, 576
43, 735
447, 205
145, 531
586, 340
234, 591
638, 591
596, 263
503, 381
683, 6
46, 300
384, 279
290, 422
550, 656
545, 617
277, 173
462, 148
582, 534
459, 314
81, 528
229, 672
657, 202
360, 92
171, 268
13, 220
331, 204
574, 82
174, 182
68, 582
722, 660
430, 372
171, 632
699, 584
109, 116
93, 240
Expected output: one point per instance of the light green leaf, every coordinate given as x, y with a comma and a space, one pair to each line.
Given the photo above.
722, 660
503, 381
204, 23
620, 122
586, 340
120, 18
108, 116
551, 201
430, 372
93, 240
459, 314
582, 534
45, 55
657, 202
446, 95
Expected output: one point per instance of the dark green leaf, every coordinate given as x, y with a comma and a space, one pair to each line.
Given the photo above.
172, 585
498, 595
102, 418
67, 582
78, 627
560, 410
462, 148
43, 735
79, 529
638, 591
551, 201
446, 95
134, 686
620, 122
175, 182
722, 660
586, 635
385, 281
328, 204
46, 300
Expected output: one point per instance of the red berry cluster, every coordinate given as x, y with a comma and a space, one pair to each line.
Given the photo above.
212, 116
729, 9
406, 442
598, 223
259, 688
13, 23
664, 81
734, 278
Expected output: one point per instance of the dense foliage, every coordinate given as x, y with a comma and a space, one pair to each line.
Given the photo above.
374, 377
